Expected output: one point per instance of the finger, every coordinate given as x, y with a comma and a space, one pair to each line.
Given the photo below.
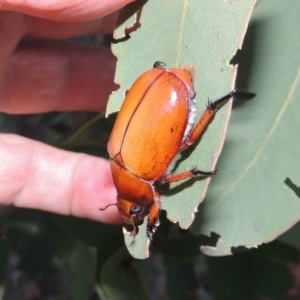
38, 27
43, 76
35, 175
16, 25
64, 10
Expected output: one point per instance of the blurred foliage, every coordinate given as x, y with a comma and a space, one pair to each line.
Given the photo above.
46, 256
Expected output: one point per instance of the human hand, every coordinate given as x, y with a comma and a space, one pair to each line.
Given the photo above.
41, 72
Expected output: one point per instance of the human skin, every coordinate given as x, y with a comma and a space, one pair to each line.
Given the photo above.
41, 71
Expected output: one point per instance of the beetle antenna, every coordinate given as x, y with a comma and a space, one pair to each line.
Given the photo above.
106, 206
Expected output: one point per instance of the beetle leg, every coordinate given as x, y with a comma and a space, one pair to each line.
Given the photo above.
155, 209
185, 175
153, 220
135, 230
210, 111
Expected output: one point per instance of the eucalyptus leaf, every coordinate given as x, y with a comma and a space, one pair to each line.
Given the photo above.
249, 202
204, 35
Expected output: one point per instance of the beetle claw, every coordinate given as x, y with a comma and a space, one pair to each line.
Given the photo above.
159, 64
196, 172
150, 233
151, 230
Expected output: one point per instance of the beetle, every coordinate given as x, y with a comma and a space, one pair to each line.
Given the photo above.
154, 125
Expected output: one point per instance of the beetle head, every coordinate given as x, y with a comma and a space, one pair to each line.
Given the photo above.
132, 213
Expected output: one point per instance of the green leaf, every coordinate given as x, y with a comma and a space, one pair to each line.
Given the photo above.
249, 201
204, 35
122, 277
263, 273
83, 262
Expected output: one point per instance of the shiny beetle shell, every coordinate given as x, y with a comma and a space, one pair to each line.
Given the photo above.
151, 124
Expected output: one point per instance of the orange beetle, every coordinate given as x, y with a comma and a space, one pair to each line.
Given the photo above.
154, 124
